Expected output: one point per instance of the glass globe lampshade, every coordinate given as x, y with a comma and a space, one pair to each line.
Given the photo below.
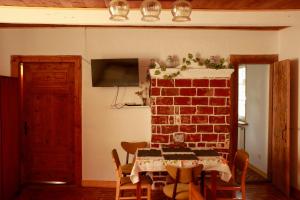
181, 11
118, 10
150, 10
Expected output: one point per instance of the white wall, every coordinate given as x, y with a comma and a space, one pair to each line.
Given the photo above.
103, 128
289, 48
257, 110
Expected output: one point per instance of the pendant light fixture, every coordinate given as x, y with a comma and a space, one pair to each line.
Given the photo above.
181, 11
118, 10
150, 10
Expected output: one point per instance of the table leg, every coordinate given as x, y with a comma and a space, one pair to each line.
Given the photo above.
213, 185
202, 177
138, 189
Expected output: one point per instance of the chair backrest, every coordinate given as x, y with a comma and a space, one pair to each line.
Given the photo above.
184, 175
131, 147
240, 165
117, 163
194, 193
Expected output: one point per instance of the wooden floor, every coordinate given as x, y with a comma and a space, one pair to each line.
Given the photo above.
254, 192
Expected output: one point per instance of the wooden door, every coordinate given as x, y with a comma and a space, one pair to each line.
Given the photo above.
9, 138
51, 108
281, 126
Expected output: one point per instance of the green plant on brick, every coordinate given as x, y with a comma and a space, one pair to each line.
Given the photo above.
213, 62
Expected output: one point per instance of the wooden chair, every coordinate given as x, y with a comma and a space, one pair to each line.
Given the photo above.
130, 148
194, 193
124, 183
238, 180
182, 176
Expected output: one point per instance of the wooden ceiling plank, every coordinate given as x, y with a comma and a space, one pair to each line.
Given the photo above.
166, 4
250, 28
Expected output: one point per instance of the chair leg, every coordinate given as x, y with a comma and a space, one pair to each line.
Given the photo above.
243, 192
118, 191
149, 192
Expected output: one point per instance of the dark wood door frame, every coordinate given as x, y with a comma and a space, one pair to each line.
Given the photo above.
15, 72
236, 60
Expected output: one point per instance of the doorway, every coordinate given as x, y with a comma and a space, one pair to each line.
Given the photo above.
51, 118
279, 125
253, 115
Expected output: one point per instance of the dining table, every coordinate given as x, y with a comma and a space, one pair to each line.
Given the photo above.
156, 159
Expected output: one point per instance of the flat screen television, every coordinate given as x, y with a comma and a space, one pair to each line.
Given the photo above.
115, 72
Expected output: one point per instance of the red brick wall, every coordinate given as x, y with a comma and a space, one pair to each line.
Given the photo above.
199, 108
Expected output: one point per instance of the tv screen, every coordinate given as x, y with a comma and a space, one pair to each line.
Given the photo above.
115, 72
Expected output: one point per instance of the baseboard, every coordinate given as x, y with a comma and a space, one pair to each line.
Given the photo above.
258, 171
97, 183
295, 193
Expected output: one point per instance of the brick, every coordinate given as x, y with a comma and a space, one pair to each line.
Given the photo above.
159, 185
221, 110
165, 83
200, 83
185, 119
158, 129
182, 101
217, 119
188, 128
221, 138
221, 128
228, 83
200, 101
217, 101
192, 138
159, 178
155, 91
153, 82
183, 82
205, 92
169, 91
187, 110
153, 129
228, 102
222, 92
199, 119
211, 145
205, 110
205, 128
191, 145
164, 100
188, 91
177, 108
228, 119
165, 110
159, 119
169, 129
171, 120
153, 110
201, 144
210, 137
160, 138
217, 83
154, 145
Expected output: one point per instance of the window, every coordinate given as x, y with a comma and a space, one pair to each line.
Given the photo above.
242, 93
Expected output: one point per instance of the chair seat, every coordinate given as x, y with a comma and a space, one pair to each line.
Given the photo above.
126, 182
126, 169
182, 191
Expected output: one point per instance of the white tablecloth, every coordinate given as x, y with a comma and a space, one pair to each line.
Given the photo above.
157, 164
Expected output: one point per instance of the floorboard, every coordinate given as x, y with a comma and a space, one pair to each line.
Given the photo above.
263, 191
